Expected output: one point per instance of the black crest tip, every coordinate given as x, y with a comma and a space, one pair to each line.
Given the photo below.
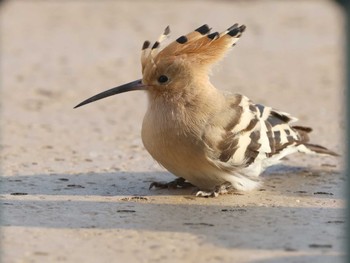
146, 45
242, 28
234, 32
155, 45
213, 36
232, 27
167, 31
203, 29
181, 40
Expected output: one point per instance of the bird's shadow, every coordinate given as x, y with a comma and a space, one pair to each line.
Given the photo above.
122, 200
282, 179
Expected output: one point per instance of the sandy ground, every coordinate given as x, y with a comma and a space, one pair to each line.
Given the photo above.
74, 183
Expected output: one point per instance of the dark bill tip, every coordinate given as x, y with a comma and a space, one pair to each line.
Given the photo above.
134, 85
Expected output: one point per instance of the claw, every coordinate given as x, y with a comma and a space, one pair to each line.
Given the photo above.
207, 194
220, 189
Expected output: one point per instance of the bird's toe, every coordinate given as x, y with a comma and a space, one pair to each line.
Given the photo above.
177, 183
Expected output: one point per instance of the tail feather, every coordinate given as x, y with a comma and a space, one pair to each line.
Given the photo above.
314, 148
303, 133
306, 147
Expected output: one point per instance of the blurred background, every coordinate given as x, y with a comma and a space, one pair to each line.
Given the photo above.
55, 54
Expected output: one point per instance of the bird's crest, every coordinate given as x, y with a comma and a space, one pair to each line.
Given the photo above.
199, 47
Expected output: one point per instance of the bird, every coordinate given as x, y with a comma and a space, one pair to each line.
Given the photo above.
218, 142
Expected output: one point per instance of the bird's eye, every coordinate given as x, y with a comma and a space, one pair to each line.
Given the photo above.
163, 79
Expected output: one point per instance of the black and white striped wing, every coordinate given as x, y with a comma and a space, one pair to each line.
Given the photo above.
257, 132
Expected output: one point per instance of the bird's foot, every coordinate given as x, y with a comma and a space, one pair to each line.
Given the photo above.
218, 190
177, 183
207, 194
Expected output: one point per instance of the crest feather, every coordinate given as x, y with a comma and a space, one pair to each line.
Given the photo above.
149, 54
199, 46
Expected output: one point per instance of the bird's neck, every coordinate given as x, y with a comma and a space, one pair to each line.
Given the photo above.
188, 108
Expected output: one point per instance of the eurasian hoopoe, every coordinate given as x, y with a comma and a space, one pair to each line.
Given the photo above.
215, 141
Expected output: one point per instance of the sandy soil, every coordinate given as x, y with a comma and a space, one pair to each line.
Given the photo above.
74, 183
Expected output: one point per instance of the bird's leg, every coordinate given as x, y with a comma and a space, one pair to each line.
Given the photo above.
177, 183
220, 189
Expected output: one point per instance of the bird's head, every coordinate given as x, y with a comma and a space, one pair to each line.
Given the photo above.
186, 60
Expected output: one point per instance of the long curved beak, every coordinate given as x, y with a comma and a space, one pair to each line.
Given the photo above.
134, 85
